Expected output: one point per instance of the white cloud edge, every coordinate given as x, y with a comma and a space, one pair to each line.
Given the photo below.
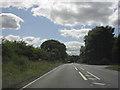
35, 41
75, 33
57, 19
22, 4
73, 47
10, 17
60, 1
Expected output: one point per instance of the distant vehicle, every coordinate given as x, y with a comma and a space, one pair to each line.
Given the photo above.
69, 61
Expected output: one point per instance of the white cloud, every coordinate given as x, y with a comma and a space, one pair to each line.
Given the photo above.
69, 12
75, 33
73, 47
114, 18
77, 13
20, 4
35, 41
1, 39
12, 38
43, 40
32, 40
10, 21
119, 15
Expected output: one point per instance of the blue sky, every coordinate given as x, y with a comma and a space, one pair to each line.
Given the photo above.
57, 21
36, 26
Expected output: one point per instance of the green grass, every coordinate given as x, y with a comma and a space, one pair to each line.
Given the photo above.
16, 74
114, 67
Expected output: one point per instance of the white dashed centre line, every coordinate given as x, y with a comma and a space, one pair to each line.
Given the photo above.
83, 76
93, 75
82, 68
76, 68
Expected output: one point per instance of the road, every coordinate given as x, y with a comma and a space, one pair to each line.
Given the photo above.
73, 75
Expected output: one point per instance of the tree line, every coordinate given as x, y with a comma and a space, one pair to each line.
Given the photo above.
101, 47
49, 50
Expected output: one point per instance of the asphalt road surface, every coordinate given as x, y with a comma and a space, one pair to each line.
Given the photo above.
73, 75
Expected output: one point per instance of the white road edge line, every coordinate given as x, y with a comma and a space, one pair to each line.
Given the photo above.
83, 76
93, 75
82, 68
38, 78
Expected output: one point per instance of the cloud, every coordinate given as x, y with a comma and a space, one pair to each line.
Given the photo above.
69, 12
75, 33
35, 41
12, 38
20, 4
10, 21
119, 15
1, 39
77, 13
114, 18
73, 47
32, 40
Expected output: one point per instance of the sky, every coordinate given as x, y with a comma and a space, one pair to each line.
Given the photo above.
35, 21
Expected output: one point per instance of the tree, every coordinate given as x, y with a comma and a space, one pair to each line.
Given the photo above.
55, 48
116, 50
82, 54
98, 45
12, 50
7, 50
118, 45
73, 58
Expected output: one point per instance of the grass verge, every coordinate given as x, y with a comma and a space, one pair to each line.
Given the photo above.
114, 67
17, 75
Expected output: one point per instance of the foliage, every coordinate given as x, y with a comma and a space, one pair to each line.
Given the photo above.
115, 51
73, 58
10, 50
82, 54
114, 67
98, 46
21, 62
56, 49
118, 46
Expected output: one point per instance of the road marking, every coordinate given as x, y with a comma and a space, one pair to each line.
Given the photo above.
83, 76
82, 68
98, 83
92, 78
76, 68
87, 75
38, 78
93, 75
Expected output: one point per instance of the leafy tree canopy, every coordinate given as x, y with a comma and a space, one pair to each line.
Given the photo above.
57, 49
98, 45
